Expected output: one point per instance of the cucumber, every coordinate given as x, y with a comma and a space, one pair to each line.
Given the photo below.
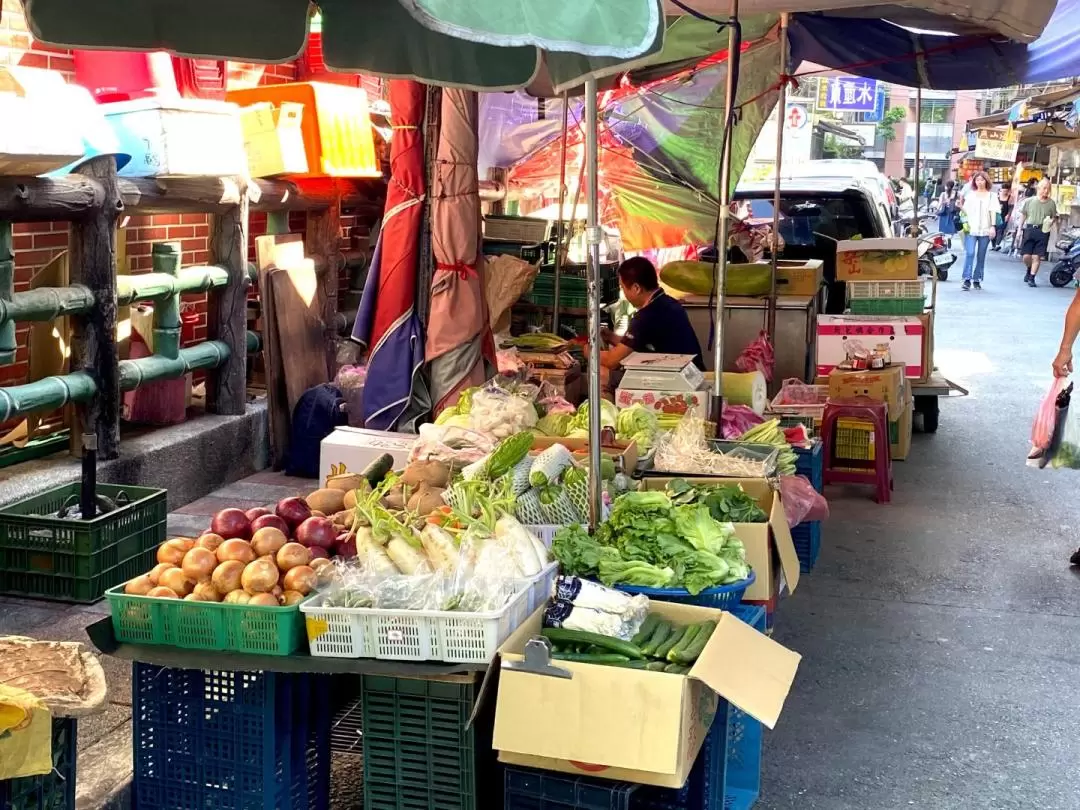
659, 636
612, 645
633, 665
689, 654
592, 658
670, 642
676, 669
377, 470
646, 630
656, 666
685, 641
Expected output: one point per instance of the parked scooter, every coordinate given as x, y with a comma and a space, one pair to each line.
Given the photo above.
1065, 270
935, 256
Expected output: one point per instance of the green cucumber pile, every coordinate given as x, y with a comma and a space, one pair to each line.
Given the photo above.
659, 646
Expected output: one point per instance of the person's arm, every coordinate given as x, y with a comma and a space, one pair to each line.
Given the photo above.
1063, 363
1021, 217
612, 358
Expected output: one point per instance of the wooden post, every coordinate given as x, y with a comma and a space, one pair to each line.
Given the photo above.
321, 243
93, 263
226, 317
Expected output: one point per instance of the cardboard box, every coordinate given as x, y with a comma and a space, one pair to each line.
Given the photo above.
901, 448
799, 278
677, 402
887, 385
350, 450
630, 724
877, 260
768, 545
44, 133
580, 449
903, 335
273, 139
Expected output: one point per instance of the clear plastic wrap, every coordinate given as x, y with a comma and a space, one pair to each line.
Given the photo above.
451, 443
500, 413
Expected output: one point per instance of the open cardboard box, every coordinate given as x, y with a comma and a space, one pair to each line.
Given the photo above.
767, 544
631, 724
580, 449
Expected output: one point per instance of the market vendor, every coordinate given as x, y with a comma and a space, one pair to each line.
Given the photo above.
659, 326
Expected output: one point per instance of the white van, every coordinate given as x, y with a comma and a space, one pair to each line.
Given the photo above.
865, 171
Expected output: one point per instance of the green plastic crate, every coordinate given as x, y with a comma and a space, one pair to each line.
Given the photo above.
886, 306
417, 751
77, 560
206, 625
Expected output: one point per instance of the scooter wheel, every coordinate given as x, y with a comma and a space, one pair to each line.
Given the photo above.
942, 274
1061, 275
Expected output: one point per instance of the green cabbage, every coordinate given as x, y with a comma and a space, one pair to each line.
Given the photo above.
555, 424
609, 415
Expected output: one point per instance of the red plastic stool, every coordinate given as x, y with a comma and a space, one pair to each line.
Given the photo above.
868, 410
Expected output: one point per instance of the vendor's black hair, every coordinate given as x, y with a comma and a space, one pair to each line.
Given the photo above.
639, 270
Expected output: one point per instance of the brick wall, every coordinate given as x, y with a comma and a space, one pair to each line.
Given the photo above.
36, 244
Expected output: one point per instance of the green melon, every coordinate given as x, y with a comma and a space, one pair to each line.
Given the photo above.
695, 278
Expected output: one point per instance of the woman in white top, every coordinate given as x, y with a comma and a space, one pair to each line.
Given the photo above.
979, 211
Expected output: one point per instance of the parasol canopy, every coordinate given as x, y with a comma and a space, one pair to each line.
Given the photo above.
386, 322
548, 45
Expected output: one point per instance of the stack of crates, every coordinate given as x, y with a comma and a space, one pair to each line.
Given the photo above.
809, 462
886, 297
573, 287
726, 775
251, 740
417, 749
523, 237
54, 790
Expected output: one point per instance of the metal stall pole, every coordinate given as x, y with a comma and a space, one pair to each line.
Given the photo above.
781, 117
913, 226
559, 224
592, 238
722, 224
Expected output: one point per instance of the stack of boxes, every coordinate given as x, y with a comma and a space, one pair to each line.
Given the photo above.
886, 318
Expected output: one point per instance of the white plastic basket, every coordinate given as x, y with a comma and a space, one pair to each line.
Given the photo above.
886, 289
421, 635
815, 410
546, 533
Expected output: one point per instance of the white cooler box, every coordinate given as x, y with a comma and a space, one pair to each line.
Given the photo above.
904, 336
350, 450
179, 137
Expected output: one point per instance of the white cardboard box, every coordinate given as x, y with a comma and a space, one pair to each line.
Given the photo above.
902, 335
350, 450
179, 137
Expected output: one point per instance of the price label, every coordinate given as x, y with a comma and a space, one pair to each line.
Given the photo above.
395, 635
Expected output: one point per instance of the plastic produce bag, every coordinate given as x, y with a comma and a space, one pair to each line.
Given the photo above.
758, 356
802, 503
1063, 450
1042, 429
795, 392
500, 413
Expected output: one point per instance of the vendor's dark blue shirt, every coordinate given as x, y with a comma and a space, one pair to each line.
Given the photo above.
662, 327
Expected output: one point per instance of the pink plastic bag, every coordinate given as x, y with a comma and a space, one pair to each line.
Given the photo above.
802, 503
1042, 429
758, 356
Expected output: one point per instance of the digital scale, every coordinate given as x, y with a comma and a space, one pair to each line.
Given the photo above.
661, 372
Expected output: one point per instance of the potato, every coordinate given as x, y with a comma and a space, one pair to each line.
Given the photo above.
326, 501
395, 497
432, 472
347, 482
426, 500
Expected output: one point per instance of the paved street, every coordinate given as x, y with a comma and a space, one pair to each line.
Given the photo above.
941, 633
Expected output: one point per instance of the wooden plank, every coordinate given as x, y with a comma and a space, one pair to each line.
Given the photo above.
93, 263
226, 318
322, 241
42, 199
298, 306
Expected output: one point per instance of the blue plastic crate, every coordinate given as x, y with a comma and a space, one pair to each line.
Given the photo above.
810, 461
724, 597
50, 791
807, 539
528, 789
230, 740
727, 773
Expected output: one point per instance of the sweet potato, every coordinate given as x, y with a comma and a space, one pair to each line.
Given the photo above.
327, 501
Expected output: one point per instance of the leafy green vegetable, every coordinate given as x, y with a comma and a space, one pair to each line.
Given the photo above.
609, 414
638, 424
696, 525
727, 503
580, 554
703, 570
635, 572
555, 424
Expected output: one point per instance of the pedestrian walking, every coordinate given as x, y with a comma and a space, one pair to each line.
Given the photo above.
1004, 210
1037, 215
979, 212
947, 209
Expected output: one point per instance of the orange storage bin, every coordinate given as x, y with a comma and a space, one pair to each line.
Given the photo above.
336, 125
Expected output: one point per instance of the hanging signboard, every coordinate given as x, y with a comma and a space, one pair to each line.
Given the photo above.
997, 144
847, 94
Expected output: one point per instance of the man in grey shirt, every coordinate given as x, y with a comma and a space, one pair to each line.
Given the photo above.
1037, 215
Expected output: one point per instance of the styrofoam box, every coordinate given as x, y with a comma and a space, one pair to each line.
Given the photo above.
179, 137
902, 335
350, 450
422, 635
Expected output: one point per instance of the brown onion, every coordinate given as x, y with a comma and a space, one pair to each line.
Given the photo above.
259, 577
237, 598
210, 541
268, 540
226, 577
292, 598
264, 600
235, 550
292, 555
140, 586
205, 592
301, 579
177, 581
173, 551
199, 564
161, 592
158, 570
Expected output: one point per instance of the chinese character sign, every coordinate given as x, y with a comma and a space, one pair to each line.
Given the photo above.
848, 94
997, 144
